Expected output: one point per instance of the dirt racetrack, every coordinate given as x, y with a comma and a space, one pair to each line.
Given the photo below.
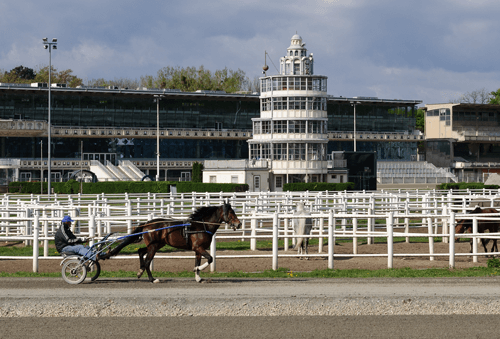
294, 264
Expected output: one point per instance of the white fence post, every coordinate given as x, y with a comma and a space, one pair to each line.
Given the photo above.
431, 237
28, 225
354, 238
371, 222
213, 250
444, 223
285, 234
407, 219
129, 214
36, 229
91, 229
474, 239
244, 221
390, 240
275, 241
321, 232
45, 234
331, 239
452, 240
253, 232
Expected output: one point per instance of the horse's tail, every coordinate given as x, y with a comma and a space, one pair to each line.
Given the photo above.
128, 240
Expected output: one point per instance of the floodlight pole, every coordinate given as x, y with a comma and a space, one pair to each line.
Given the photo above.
158, 97
41, 166
354, 134
49, 46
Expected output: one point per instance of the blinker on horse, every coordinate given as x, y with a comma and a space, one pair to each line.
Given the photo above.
482, 225
196, 235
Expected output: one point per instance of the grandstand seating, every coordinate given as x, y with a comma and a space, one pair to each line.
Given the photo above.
389, 172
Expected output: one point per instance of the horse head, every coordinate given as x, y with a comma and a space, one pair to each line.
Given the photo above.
462, 226
230, 217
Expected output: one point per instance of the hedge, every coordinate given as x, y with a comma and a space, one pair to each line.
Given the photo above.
73, 187
465, 185
318, 186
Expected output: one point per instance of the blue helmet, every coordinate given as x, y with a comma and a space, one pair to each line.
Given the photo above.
67, 219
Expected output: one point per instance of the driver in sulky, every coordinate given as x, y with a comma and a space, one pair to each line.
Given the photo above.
66, 241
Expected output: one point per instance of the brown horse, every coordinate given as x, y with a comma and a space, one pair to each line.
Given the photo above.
194, 235
482, 225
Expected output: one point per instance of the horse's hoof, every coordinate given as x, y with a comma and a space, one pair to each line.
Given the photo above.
156, 281
139, 274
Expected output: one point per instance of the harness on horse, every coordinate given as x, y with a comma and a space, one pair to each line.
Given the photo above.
186, 228
186, 231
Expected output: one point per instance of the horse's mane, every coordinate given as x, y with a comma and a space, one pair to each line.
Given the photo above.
201, 212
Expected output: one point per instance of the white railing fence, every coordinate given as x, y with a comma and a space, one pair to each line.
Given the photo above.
266, 215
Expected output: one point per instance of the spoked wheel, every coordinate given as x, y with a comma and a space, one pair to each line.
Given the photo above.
73, 272
93, 270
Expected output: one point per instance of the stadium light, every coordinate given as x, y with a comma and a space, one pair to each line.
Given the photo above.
49, 46
354, 134
158, 97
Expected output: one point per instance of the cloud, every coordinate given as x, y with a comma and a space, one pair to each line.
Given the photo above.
386, 48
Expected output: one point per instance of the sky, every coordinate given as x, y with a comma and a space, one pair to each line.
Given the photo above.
433, 51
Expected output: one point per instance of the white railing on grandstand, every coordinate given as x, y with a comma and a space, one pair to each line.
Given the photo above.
350, 215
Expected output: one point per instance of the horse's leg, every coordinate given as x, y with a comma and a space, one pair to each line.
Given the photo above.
306, 245
199, 268
152, 249
197, 262
142, 251
485, 242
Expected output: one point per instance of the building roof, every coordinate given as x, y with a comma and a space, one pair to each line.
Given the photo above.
178, 94
465, 106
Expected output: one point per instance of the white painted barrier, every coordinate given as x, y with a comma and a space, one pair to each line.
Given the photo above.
34, 218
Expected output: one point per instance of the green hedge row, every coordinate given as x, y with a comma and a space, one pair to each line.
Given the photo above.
466, 185
73, 187
318, 186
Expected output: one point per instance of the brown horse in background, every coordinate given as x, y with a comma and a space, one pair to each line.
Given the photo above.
482, 225
194, 235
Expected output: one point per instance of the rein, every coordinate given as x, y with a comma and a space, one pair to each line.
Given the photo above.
151, 231
173, 226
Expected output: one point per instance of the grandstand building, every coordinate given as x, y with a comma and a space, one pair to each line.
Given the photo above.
112, 132
464, 138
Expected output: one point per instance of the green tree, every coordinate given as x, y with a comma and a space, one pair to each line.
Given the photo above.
420, 120
191, 79
64, 77
19, 74
197, 172
495, 97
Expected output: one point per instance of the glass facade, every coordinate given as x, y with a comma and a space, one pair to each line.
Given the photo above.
126, 111
298, 83
18, 147
79, 108
371, 117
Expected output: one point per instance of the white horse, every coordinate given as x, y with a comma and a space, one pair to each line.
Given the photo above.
302, 226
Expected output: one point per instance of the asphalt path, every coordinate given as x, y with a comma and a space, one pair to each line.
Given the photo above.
251, 308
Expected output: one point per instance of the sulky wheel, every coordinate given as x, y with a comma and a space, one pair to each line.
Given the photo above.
93, 270
73, 272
